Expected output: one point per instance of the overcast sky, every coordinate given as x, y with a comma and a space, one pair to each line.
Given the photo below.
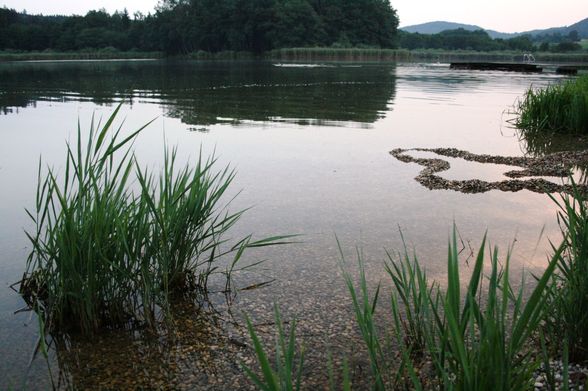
500, 15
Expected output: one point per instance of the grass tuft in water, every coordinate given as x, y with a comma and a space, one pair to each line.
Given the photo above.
490, 345
451, 339
472, 340
568, 320
558, 108
104, 255
286, 373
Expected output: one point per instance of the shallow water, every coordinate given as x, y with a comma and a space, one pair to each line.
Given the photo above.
310, 145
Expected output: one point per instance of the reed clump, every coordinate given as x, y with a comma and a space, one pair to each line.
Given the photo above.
568, 294
450, 339
558, 108
106, 255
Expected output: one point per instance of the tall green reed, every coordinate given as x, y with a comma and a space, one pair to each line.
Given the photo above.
477, 338
104, 255
568, 320
473, 340
286, 373
558, 108
80, 269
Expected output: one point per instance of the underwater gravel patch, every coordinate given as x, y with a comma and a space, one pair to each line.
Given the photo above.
559, 164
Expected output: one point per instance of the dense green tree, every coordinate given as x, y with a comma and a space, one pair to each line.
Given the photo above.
461, 39
183, 26
359, 22
567, 46
522, 42
296, 24
573, 36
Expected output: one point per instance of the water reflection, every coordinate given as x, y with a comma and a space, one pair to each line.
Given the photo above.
543, 144
314, 180
540, 144
210, 93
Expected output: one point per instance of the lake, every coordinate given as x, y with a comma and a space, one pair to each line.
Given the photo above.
310, 144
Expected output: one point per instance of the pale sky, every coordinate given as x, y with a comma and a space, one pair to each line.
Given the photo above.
506, 16
501, 15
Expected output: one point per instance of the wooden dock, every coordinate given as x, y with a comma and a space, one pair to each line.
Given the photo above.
515, 67
497, 66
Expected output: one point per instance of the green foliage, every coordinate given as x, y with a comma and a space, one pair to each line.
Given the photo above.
286, 374
97, 29
558, 108
479, 40
568, 320
461, 39
563, 47
104, 255
557, 37
186, 26
475, 340
297, 24
410, 305
365, 308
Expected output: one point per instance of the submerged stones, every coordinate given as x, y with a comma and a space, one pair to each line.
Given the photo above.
558, 164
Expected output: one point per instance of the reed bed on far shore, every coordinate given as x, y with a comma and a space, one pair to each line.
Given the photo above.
366, 54
338, 54
84, 55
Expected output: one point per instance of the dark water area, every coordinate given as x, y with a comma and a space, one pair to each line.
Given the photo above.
310, 144
209, 93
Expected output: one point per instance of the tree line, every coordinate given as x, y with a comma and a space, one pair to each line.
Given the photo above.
479, 40
461, 39
184, 26
559, 42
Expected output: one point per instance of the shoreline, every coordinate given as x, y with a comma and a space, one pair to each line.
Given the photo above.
304, 54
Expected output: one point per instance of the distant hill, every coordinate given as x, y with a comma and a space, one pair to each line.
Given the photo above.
438, 26
581, 27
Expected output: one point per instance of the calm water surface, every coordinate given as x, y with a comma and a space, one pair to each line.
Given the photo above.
310, 145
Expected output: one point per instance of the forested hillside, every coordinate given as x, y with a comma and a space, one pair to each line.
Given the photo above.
480, 40
461, 39
184, 26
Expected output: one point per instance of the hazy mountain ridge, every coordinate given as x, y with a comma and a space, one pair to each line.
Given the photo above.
438, 26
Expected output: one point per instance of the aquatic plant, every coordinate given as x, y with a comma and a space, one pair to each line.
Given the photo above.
286, 373
568, 319
557, 108
475, 340
446, 338
105, 255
